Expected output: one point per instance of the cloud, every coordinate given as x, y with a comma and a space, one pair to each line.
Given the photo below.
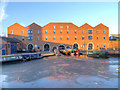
3, 15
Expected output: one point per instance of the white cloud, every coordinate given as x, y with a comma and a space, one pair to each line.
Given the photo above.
3, 15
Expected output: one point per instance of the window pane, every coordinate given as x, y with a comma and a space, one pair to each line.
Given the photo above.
60, 38
61, 31
46, 38
97, 31
67, 31
54, 31
67, 38
46, 31
38, 32
75, 38
83, 38
89, 31
54, 38
75, 31
89, 37
30, 32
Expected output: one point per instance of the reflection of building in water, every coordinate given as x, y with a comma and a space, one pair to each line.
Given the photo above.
74, 70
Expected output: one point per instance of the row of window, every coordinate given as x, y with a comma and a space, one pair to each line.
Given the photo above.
89, 38
89, 31
30, 38
31, 31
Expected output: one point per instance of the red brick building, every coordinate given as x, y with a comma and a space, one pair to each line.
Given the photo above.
8, 45
60, 35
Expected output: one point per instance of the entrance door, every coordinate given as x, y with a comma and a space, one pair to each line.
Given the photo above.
30, 47
90, 46
13, 48
75, 46
3, 52
46, 47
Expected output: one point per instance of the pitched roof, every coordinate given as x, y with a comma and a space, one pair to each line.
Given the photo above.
101, 25
87, 25
10, 39
16, 24
33, 24
63, 23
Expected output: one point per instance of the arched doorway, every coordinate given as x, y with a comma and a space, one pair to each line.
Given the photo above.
68, 47
90, 46
75, 46
61, 47
54, 48
30, 47
46, 47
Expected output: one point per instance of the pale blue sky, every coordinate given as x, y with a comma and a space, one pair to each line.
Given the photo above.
79, 13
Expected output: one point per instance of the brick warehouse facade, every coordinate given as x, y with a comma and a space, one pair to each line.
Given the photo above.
60, 35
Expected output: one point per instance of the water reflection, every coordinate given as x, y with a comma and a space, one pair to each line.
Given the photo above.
78, 70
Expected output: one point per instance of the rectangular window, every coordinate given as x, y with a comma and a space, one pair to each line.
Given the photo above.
97, 37
97, 31
38, 47
61, 38
54, 27
67, 31
45, 38
89, 37
75, 38
75, 31
82, 31
30, 38
104, 37
11, 32
38, 32
61, 31
54, 37
104, 31
67, 26
30, 32
83, 38
22, 31
22, 38
38, 38
54, 31
97, 45
104, 45
89, 31
67, 38
45, 31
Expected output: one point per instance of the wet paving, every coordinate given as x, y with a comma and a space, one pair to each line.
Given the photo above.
61, 72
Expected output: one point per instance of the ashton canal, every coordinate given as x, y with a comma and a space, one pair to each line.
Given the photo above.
61, 72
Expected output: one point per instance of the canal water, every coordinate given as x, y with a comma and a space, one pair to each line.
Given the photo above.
61, 72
